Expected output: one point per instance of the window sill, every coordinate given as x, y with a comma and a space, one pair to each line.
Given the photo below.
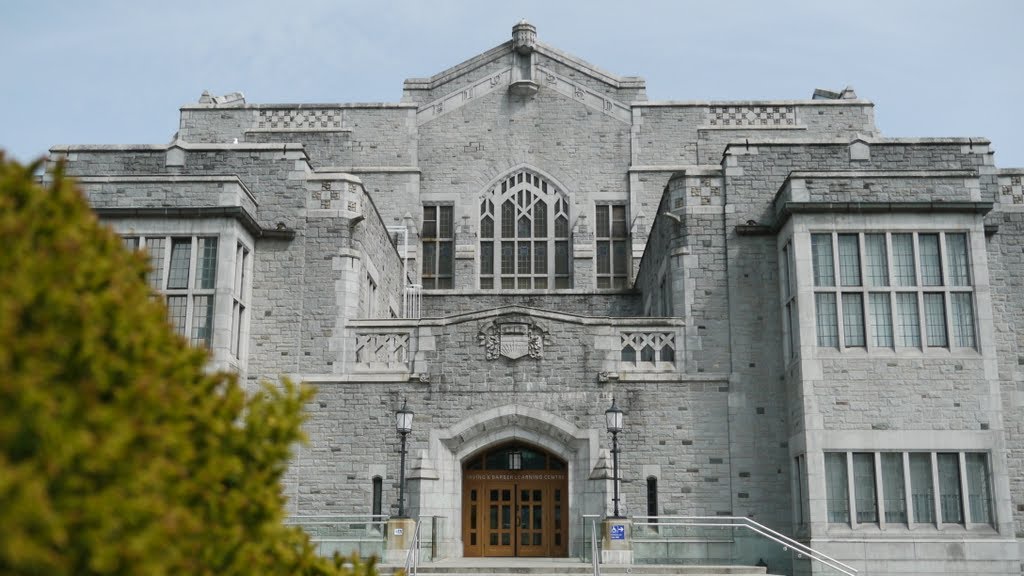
899, 353
528, 292
918, 530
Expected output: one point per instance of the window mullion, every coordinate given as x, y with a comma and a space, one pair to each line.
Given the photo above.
908, 490
922, 319
166, 263
880, 495
936, 490
965, 495
851, 494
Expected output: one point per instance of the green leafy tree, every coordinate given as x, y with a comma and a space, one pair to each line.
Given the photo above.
119, 452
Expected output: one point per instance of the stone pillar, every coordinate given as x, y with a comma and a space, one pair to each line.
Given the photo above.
399, 540
582, 255
617, 541
465, 265
420, 482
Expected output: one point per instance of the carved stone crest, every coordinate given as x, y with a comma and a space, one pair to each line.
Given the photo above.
513, 337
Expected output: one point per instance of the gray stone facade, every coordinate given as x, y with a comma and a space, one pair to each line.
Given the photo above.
717, 344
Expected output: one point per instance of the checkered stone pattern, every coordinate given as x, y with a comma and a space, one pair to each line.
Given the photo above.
326, 194
705, 191
299, 119
1011, 191
752, 115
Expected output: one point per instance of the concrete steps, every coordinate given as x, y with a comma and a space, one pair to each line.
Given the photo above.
563, 567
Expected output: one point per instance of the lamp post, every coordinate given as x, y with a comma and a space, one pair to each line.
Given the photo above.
613, 421
403, 423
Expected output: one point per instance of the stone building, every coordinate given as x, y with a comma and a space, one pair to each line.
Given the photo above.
806, 323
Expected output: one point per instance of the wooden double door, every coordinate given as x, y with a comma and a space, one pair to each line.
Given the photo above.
515, 513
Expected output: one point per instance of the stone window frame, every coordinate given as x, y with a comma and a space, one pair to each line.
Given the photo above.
522, 191
241, 295
162, 267
971, 498
608, 237
789, 291
441, 243
842, 293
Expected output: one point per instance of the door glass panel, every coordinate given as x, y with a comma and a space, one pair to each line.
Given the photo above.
494, 538
536, 495
536, 538
506, 495
506, 539
472, 517
506, 517
524, 517
537, 517
494, 517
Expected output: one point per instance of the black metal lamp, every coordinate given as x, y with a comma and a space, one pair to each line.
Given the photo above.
403, 423
613, 421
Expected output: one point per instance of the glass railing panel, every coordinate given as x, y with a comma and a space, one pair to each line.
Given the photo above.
346, 535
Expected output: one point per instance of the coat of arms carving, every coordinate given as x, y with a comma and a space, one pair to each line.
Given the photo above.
512, 338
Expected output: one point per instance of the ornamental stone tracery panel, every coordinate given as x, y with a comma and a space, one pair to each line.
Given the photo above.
524, 234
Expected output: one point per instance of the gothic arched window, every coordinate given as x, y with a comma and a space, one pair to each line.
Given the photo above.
524, 234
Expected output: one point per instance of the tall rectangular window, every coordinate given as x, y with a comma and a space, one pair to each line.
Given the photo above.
922, 488
935, 319
877, 260
956, 260
931, 263
950, 498
837, 488
438, 247
893, 488
821, 253
155, 249
849, 260
827, 319
881, 320
181, 253
963, 319
903, 267
979, 487
910, 320
789, 295
240, 301
853, 319
798, 484
865, 496
612, 235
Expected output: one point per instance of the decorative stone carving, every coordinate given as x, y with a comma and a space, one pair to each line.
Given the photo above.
524, 37
647, 350
513, 337
382, 350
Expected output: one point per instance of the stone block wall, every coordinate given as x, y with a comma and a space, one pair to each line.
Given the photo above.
441, 304
1006, 260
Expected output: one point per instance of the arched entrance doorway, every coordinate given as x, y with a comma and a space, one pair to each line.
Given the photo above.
515, 502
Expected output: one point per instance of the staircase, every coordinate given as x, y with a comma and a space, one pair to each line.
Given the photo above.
561, 567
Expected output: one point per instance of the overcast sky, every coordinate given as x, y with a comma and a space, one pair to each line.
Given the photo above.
115, 72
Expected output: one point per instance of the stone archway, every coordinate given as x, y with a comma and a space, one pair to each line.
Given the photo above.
438, 474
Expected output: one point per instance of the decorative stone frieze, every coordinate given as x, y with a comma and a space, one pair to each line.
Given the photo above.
513, 337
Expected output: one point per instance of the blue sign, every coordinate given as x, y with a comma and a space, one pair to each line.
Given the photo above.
618, 532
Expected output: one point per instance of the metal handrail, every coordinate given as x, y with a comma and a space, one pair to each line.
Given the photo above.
412, 558
756, 527
595, 561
